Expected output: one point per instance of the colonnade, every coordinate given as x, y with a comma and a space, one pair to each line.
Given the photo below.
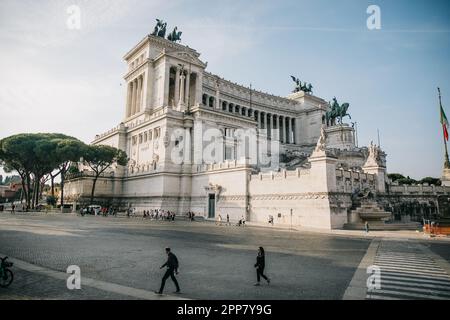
284, 126
135, 95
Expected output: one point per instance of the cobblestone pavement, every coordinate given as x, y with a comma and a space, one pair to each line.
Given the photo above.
32, 286
216, 262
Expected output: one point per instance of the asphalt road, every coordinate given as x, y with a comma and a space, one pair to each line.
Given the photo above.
216, 262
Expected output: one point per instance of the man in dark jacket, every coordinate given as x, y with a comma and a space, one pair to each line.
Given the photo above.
172, 266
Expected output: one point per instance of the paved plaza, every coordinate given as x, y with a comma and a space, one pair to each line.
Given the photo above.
120, 258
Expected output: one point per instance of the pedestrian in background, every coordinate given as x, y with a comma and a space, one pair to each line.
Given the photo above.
366, 227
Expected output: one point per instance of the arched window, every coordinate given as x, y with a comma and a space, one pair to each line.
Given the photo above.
224, 105
204, 99
211, 102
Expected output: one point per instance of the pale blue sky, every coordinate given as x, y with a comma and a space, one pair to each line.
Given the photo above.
60, 80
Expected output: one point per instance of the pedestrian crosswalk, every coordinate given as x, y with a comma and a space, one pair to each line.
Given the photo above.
409, 275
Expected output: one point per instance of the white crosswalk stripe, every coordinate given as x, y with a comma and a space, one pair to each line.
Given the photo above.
409, 276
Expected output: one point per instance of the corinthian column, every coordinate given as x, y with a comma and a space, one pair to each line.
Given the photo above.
187, 91
264, 121
139, 93
128, 111
177, 86
181, 104
133, 97
289, 130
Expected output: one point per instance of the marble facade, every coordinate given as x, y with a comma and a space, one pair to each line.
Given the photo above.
175, 109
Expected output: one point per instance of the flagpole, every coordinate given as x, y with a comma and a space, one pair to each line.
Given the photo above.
446, 160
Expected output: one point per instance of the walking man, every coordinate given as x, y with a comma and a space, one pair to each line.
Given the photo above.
366, 227
172, 267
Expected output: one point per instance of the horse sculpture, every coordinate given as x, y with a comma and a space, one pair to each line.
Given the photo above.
160, 29
174, 35
299, 86
336, 112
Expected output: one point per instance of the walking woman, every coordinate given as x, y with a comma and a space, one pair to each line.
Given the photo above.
260, 264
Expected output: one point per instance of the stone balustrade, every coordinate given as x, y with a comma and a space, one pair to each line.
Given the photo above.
349, 180
419, 189
282, 174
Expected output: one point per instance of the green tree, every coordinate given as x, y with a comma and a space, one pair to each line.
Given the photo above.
34, 155
407, 181
431, 180
99, 158
68, 151
16, 155
395, 176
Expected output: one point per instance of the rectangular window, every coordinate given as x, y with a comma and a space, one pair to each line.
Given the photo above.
228, 153
145, 136
150, 135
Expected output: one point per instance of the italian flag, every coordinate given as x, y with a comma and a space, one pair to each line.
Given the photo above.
444, 123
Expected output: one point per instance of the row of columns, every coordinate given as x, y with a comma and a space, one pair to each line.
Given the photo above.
286, 125
182, 87
134, 95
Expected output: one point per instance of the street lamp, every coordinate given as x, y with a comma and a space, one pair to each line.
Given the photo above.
291, 219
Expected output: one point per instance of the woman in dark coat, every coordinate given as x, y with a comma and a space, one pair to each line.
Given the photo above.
260, 265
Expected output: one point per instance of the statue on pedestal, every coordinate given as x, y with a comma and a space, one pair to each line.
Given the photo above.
299, 86
336, 111
174, 35
374, 155
321, 143
160, 29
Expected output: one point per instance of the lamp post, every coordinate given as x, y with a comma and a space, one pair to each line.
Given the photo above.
291, 219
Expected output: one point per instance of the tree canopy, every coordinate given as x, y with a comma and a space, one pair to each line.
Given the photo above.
401, 179
33, 155
100, 157
38, 157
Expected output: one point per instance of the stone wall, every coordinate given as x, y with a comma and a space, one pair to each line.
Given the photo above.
301, 197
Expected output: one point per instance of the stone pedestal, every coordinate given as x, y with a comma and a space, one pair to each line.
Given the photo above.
340, 136
446, 177
380, 173
376, 165
323, 167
